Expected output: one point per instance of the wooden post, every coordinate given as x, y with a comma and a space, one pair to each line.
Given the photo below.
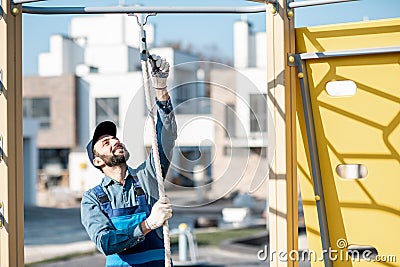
283, 218
11, 165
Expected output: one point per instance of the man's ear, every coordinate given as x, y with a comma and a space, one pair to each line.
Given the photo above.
98, 162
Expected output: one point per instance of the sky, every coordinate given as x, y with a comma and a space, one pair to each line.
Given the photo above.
211, 33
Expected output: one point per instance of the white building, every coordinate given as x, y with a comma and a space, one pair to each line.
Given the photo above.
240, 154
103, 52
250, 49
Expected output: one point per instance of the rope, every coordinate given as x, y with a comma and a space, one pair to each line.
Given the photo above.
154, 144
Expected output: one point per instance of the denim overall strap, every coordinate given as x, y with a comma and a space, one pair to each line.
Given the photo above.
140, 195
105, 204
102, 198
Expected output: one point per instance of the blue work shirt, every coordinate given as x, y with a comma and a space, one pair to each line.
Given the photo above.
101, 231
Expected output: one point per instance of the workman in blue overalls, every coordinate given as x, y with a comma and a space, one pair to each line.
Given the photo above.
123, 215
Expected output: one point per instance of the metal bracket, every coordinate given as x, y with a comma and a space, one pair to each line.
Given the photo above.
289, 10
275, 5
141, 24
15, 10
291, 60
1, 215
144, 53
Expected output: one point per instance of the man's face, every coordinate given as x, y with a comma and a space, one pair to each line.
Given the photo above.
110, 151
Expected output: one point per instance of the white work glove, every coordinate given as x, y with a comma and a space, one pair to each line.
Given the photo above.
161, 211
159, 72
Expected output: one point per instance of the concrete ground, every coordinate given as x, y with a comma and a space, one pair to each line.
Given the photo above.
210, 256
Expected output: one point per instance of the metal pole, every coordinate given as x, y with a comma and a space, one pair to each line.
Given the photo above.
142, 9
183, 243
314, 160
316, 3
11, 135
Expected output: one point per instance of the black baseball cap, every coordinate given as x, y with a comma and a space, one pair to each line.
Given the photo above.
105, 127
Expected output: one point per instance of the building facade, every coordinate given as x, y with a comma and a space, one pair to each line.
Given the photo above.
239, 104
52, 101
94, 74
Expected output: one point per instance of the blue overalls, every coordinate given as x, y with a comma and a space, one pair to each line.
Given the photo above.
149, 252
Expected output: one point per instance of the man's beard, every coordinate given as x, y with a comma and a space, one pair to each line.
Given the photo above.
115, 160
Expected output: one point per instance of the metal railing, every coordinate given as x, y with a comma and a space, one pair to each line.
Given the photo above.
316, 3
142, 9
164, 9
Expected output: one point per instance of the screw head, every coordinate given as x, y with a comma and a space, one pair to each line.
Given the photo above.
291, 59
272, 8
317, 198
290, 14
300, 75
15, 11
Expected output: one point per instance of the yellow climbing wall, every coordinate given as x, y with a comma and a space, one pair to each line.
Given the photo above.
360, 129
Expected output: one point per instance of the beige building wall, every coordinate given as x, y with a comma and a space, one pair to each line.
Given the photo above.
236, 166
62, 92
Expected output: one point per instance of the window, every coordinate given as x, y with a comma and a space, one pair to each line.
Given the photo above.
53, 156
236, 151
260, 151
258, 113
189, 98
230, 120
187, 158
230, 151
107, 109
37, 108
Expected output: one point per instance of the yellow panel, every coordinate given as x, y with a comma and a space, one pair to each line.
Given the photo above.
359, 129
366, 34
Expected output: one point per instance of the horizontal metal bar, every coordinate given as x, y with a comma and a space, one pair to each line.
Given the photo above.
316, 3
26, 1
347, 53
141, 9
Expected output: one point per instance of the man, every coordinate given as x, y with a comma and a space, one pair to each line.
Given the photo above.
122, 215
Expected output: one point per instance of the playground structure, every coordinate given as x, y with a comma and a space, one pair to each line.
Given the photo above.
317, 132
